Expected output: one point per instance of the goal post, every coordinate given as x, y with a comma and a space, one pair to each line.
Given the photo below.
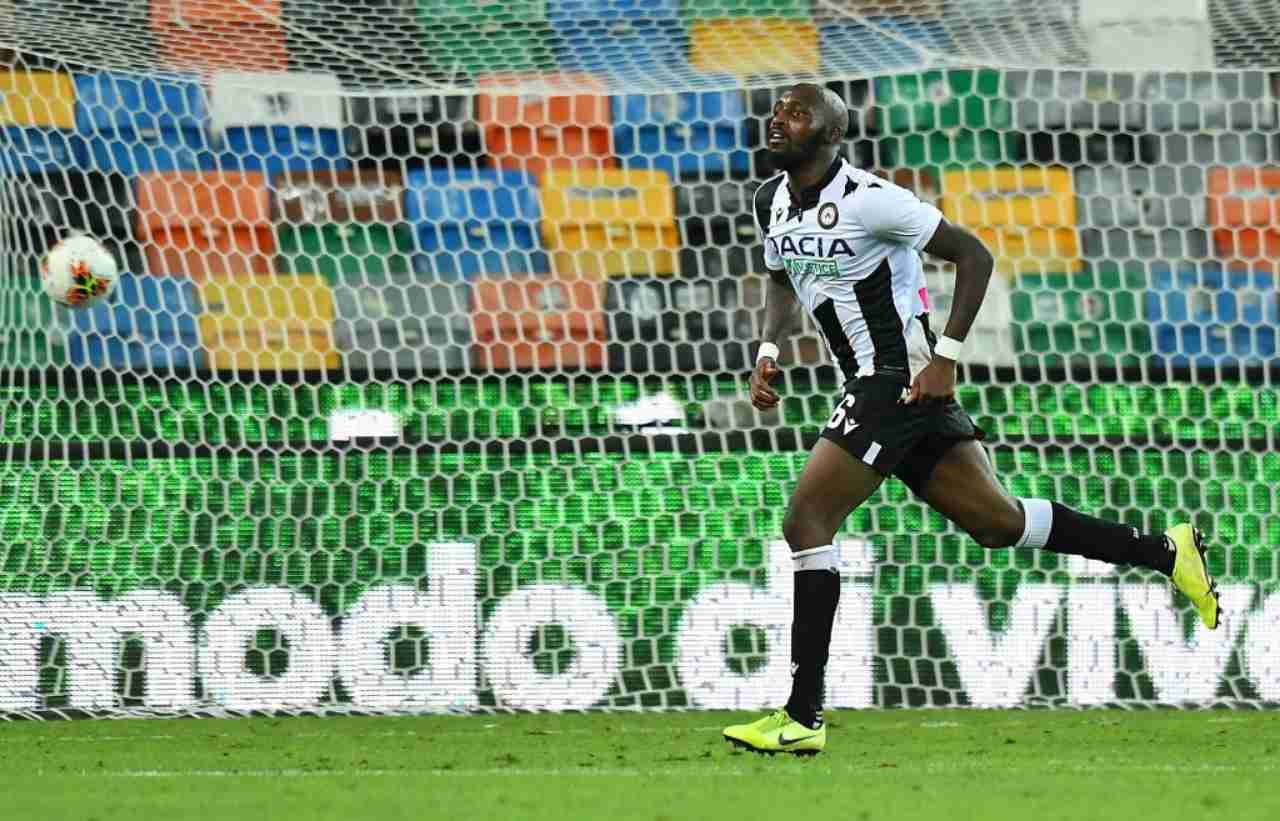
423, 387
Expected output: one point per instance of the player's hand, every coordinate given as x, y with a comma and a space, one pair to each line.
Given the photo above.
935, 384
764, 397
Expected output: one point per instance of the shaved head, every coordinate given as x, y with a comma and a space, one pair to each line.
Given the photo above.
834, 113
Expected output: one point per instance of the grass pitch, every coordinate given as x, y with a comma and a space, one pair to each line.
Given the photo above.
944, 765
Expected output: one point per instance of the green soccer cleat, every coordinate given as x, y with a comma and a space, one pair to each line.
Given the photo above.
1191, 572
777, 733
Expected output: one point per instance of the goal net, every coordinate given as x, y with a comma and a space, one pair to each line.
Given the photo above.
423, 387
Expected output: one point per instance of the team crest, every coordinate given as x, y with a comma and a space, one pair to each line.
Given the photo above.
828, 215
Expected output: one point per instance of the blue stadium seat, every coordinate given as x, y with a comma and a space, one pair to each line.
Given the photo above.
848, 45
149, 324
276, 149
474, 223
138, 125
1208, 316
626, 52
689, 134
565, 13
33, 150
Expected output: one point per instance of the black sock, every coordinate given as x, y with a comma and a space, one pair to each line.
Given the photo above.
1076, 533
817, 592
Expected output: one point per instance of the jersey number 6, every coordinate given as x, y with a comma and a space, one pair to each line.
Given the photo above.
845, 406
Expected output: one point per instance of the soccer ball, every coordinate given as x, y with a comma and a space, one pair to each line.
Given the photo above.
79, 271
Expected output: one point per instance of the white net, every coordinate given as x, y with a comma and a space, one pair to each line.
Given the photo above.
423, 385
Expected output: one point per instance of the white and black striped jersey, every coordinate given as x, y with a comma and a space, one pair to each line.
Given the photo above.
851, 248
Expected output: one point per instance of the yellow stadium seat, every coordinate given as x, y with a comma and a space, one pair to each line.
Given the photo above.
268, 322
43, 99
1026, 215
754, 45
609, 222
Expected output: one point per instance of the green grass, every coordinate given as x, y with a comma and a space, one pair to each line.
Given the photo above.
944, 765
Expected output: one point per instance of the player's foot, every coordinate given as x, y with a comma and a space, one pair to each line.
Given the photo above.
1191, 572
778, 733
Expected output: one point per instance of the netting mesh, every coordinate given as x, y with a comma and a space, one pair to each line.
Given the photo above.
423, 386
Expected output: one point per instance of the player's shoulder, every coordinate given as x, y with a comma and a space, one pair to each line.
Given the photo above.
762, 199
873, 199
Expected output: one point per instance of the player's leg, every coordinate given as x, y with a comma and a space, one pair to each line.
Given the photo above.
963, 487
831, 486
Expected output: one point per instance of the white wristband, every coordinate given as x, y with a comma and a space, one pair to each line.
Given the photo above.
949, 348
767, 350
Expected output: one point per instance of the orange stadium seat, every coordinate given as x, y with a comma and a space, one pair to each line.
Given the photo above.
267, 322
1243, 209
537, 323
1025, 215
609, 223
546, 121
200, 223
214, 35
744, 46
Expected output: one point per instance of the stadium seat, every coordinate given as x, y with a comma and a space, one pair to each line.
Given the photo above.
51, 204
198, 223
344, 222
213, 35
545, 121
665, 324
1207, 316
694, 10
609, 223
1209, 101
697, 135
564, 12
33, 336
1074, 100
746, 46
409, 132
537, 323
398, 322
624, 52
718, 215
150, 323
1244, 213
878, 44
1071, 319
991, 338
470, 224
276, 122
267, 322
37, 112
1025, 215
933, 100
136, 125
1140, 197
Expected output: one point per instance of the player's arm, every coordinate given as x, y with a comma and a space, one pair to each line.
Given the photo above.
973, 271
781, 312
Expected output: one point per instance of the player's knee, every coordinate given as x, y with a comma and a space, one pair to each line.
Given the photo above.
804, 527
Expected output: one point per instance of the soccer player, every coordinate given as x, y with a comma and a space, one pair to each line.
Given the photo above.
845, 244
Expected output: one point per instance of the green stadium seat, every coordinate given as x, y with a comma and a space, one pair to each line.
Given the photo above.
926, 101
938, 150
1062, 319
333, 250
490, 46
436, 12
29, 336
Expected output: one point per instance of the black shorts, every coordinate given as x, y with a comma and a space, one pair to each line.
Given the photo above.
872, 424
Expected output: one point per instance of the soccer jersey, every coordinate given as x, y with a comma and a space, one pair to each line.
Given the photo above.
851, 247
